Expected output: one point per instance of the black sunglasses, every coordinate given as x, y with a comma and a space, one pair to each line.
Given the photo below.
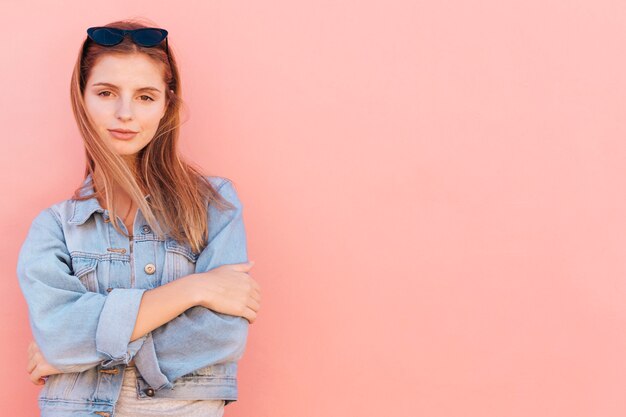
108, 36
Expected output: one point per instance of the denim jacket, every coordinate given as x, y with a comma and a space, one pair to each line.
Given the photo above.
83, 282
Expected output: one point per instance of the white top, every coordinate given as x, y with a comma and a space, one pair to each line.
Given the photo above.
130, 405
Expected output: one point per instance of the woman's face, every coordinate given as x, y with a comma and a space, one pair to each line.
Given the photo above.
126, 92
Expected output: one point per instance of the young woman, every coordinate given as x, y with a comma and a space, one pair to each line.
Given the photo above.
138, 286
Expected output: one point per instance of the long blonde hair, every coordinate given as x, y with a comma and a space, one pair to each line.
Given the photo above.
179, 192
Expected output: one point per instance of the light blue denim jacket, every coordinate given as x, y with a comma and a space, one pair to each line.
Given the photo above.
83, 282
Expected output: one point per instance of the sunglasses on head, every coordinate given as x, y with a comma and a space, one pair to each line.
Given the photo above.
148, 37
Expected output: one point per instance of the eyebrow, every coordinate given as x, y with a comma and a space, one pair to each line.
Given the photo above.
149, 88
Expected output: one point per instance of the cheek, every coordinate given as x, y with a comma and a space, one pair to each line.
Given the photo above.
152, 117
96, 110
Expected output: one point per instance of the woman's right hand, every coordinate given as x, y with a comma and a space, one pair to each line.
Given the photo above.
229, 289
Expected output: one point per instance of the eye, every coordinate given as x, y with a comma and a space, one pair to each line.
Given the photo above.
108, 94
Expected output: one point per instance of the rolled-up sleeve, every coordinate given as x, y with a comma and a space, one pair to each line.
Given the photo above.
201, 337
75, 329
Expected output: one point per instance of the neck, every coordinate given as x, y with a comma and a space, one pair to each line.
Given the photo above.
124, 205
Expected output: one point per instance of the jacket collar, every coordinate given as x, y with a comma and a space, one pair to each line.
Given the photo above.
83, 209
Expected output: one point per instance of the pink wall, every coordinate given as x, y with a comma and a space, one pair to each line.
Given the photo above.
434, 194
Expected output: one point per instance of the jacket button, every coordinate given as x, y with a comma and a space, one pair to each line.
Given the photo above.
149, 392
149, 268
109, 289
145, 229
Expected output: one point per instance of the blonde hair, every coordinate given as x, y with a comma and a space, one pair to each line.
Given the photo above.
179, 192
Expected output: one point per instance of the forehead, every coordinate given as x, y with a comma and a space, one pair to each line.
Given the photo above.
128, 70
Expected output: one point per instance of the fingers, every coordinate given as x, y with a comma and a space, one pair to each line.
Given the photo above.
40, 374
34, 359
32, 363
244, 267
255, 285
254, 305
249, 315
256, 295
35, 377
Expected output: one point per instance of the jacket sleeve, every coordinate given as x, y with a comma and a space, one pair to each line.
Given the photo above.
201, 337
75, 329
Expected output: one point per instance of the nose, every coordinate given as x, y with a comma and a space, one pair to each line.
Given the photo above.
124, 110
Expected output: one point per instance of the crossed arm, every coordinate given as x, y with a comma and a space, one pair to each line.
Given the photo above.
196, 338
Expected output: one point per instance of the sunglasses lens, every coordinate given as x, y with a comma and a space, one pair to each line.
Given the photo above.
149, 37
106, 36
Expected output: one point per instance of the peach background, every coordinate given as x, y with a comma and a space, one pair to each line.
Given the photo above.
434, 193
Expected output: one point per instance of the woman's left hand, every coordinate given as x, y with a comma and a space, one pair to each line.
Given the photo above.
38, 367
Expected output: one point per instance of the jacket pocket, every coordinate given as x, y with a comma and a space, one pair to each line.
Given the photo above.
180, 260
85, 269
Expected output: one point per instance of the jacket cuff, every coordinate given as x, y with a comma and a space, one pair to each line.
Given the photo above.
148, 366
116, 325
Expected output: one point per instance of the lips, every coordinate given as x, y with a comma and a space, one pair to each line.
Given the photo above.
122, 133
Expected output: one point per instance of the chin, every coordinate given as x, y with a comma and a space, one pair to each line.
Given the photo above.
124, 151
